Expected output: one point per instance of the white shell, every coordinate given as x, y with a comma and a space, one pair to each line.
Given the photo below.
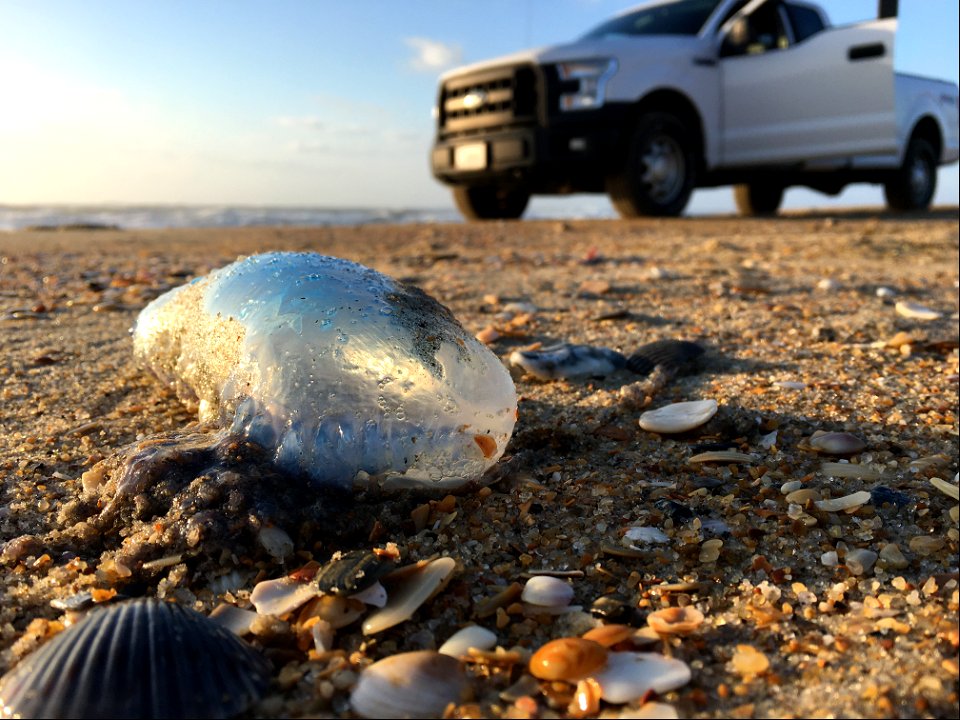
915, 311
849, 470
276, 542
375, 595
546, 591
629, 675
836, 443
333, 367
409, 685
472, 636
678, 417
846, 502
404, 601
644, 534
281, 595
236, 620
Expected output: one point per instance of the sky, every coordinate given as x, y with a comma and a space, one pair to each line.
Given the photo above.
297, 102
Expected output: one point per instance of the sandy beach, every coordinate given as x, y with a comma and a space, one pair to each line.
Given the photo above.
843, 322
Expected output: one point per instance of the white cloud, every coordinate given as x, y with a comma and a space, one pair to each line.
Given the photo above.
433, 55
294, 121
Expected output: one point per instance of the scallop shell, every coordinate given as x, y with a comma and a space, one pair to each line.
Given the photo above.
409, 685
138, 659
335, 368
678, 417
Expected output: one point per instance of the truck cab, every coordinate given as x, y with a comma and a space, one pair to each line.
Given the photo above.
679, 94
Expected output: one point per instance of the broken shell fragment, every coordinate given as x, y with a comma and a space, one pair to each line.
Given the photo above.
915, 311
138, 659
281, 595
472, 636
726, 456
675, 620
836, 443
678, 417
568, 659
416, 684
630, 675
413, 592
847, 502
546, 591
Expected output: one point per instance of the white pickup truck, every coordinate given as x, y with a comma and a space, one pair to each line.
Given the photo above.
679, 94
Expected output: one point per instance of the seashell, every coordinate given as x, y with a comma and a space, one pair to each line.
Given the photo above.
276, 542
565, 361
281, 595
472, 636
847, 502
609, 635
678, 417
946, 488
336, 610
586, 700
631, 675
836, 443
672, 355
375, 595
915, 311
416, 684
656, 711
236, 620
546, 591
727, 456
351, 572
675, 620
333, 367
644, 534
568, 659
138, 659
415, 590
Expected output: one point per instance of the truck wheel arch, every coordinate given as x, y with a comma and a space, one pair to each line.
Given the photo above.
676, 103
928, 129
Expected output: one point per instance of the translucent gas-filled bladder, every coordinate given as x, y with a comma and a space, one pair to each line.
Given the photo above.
335, 368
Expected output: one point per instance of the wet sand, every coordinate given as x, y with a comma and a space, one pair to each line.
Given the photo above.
798, 340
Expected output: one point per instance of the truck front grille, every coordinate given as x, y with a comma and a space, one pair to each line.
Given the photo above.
499, 97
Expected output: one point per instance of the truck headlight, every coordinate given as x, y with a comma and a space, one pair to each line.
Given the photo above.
590, 78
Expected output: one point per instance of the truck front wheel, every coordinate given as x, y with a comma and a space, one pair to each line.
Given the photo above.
658, 174
490, 203
758, 199
912, 187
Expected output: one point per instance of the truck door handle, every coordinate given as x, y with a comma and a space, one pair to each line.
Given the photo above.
865, 52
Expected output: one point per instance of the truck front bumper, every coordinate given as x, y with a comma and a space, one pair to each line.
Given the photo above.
570, 155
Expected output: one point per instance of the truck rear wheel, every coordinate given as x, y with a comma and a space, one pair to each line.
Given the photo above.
490, 202
913, 185
756, 199
658, 175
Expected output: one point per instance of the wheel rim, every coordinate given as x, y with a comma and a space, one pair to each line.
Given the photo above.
663, 168
920, 178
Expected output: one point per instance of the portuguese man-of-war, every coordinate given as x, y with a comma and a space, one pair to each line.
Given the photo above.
339, 371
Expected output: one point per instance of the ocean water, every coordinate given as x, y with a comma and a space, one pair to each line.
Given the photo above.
19, 217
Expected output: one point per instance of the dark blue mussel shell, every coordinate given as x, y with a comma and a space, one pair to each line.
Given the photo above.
142, 658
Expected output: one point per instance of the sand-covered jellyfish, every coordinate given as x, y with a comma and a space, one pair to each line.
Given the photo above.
338, 370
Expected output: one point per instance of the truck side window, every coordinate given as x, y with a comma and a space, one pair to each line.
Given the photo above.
805, 21
761, 31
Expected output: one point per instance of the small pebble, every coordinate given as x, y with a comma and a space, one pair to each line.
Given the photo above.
860, 560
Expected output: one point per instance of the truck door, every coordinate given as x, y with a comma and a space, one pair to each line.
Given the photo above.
790, 96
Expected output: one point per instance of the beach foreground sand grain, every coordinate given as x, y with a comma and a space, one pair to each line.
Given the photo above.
799, 316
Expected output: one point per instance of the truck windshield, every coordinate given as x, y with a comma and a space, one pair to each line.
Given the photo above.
683, 17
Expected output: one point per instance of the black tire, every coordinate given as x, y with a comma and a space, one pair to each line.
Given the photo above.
757, 200
659, 173
490, 203
913, 185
